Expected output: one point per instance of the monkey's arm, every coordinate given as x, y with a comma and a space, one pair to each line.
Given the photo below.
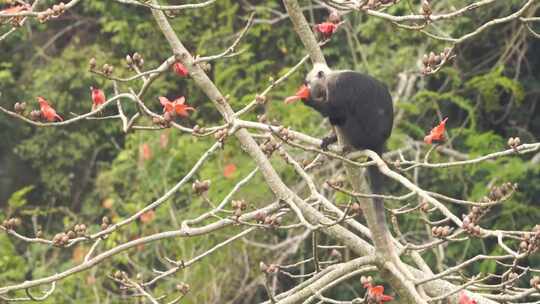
334, 115
320, 106
328, 140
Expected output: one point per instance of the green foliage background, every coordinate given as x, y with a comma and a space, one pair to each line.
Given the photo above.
56, 177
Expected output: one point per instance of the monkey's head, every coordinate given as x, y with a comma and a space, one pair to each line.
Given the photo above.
315, 86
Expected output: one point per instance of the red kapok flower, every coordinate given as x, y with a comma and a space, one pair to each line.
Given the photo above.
180, 69
178, 106
326, 29
436, 134
229, 170
376, 293
464, 299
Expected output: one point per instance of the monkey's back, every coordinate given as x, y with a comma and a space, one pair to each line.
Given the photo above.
361, 107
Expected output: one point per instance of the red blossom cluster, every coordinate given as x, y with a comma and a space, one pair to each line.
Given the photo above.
433, 62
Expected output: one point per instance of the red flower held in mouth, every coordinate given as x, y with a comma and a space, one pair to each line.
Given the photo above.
302, 93
180, 69
436, 134
47, 111
178, 106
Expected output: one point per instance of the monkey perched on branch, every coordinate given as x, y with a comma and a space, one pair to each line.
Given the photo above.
358, 106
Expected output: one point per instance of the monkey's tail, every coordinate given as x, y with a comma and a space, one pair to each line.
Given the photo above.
376, 180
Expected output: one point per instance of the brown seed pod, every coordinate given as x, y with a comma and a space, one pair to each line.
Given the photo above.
157, 120
18, 107
512, 276
183, 288
426, 8
64, 239
168, 116
334, 17
260, 99
355, 208
431, 60
336, 254
268, 220
71, 234
136, 56
42, 17
466, 222
272, 268
200, 187
445, 231
511, 142
129, 60
35, 115
57, 239
15, 222
260, 216
263, 267
425, 60
118, 275
82, 228
535, 281
440, 231
206, 66
92, 63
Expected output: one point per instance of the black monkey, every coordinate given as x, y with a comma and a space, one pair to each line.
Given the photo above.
358, 105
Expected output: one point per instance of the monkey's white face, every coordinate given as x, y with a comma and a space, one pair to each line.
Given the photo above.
315, 86
316, 82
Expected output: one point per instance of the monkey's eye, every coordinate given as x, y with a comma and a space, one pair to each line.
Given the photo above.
320, 74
